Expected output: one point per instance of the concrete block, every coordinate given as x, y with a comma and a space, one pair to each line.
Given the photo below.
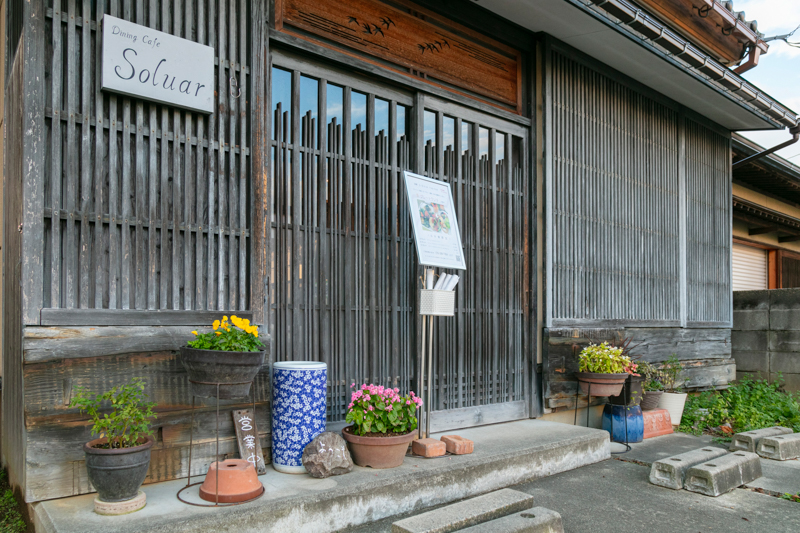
750, 341
536, 520
780, 447
755, 320
671, 472
781, 341
748, 440
428, 447
723, 474
458, 445
746, 300
753, 375
751, 361
784, 299
656, 423
466, 512
784, 319
784, 362
791, 382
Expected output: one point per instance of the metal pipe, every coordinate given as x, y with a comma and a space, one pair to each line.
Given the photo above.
795, 137
430, 380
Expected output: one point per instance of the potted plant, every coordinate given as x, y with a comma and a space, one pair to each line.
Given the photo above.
231, 355
673, 399
653, 388
118, 459
384, 423
603, 369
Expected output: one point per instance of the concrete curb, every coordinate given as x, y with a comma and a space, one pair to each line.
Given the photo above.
536, 520
780, 447
723, 474
748, 440
671, 472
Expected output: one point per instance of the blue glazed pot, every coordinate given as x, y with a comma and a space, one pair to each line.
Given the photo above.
299, 408
614, 422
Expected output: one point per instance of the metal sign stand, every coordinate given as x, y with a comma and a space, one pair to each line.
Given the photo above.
431, 303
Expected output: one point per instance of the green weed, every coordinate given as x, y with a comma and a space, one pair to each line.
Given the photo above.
10, 518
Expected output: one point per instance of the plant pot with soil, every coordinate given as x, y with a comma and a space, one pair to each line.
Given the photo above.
632, 391
673, 399
384, 424
231, 355
653, 389
117, 461
603, 370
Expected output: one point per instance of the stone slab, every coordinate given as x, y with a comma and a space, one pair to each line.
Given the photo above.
779, 477
536, 520
505, 455
723, 474
466, 513
780, 447
748, 440
671, 472
656, 423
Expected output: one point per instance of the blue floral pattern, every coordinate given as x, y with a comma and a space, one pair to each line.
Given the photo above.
299, 408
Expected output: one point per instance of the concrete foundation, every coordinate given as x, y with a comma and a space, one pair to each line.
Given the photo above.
505, 454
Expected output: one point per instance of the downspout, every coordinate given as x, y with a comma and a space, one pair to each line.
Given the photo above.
795, 137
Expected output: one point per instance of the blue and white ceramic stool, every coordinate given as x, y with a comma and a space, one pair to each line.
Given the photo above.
299, 409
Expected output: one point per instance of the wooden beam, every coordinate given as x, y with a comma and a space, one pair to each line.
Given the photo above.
790, 238
762, 231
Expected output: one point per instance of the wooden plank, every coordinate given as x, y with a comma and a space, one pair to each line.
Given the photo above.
467, 417
247, 439
261, 156
103, 317
56, 149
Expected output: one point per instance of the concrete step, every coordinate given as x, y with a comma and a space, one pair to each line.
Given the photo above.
747, 441
536, 520
671, 472
505, 455
723, 474
466, 513
780, 447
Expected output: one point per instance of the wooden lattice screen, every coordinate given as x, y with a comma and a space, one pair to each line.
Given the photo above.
146, 206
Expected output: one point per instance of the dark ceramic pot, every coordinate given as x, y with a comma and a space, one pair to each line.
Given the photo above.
601, 385
650, 399
233, 370
632, 392
378, 452
117, 473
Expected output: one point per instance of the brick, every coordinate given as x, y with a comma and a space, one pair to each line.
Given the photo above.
466, 513
428, 447
656, 423
671, 472
536, 520
750, 341
755, 320
748, 440
458, 445
780, 448
723, 474
751, 361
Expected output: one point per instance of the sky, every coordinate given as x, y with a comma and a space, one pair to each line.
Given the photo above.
778, 72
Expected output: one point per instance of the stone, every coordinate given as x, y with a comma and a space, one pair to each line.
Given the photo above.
723, 474
748, 440
428, 447
671, 472
458, 445
536, 520
327, 455
120, 508
656, 423
780, 448
466, 513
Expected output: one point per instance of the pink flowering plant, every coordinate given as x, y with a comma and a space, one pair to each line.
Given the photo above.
378, 409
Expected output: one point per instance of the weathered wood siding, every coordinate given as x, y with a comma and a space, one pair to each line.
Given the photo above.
145, 205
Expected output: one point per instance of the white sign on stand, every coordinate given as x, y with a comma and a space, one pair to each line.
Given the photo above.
433, 216
145, 63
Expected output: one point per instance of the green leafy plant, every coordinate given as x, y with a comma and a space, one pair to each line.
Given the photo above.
234, 336
792, 497
129, 419
606, 359
652, 377
746, 405
378, 409
670, 375
11, 520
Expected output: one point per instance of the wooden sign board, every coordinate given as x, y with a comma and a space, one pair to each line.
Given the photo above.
145, 63
413, 38
247, 435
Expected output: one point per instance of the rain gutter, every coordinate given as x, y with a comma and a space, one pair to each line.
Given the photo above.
795, 131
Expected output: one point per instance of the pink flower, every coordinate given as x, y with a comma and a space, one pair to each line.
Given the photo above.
352, 385
396, 389
389, 408
364, 386
370, 408
408, 402
350, 406
366, 397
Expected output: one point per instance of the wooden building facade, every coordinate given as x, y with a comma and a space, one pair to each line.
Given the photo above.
594, 203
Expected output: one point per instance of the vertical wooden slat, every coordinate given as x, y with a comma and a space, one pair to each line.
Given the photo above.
56, 155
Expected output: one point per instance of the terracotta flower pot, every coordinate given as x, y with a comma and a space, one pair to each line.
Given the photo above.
651, 399
601, 384
117, 473
238, 482
378, 452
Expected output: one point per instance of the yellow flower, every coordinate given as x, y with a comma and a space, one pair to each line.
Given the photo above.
219, 333
216, 325
246, 321
225, 318
194, 333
